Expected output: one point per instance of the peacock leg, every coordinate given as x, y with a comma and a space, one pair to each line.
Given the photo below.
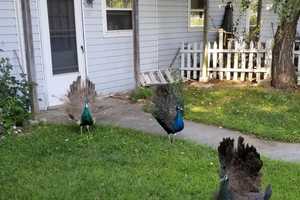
88, 129
80, 130
173, 138
170, 139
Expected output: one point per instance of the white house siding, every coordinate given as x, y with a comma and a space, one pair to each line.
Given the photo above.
148, 34
109, 59
10, 41
270, 22
173, 27
38, 56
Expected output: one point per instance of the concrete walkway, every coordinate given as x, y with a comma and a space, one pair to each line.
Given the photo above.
124, 114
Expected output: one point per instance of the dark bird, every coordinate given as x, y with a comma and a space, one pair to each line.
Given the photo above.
167, 108
240, 172
80, 102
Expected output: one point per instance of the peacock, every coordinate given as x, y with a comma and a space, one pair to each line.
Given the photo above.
80, 102
240, 172
168, 108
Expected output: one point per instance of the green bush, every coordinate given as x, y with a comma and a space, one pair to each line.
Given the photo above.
15, 97
141, 93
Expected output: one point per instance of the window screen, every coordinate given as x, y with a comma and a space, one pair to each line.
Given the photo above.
62, 36
196, 13
119, 15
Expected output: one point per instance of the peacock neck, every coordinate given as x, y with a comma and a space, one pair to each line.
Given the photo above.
179, 120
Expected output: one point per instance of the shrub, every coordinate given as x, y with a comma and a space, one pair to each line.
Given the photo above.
141, 93
15, 97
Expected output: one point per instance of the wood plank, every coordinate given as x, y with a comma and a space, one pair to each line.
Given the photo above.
169, 76
258, 62
236, 61
228, 74
189, 62
250, 65
243, 64
195, 60
215, 59
182, 60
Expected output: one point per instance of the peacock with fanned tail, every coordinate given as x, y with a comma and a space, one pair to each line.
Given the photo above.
240, 172
80, 102
167, 108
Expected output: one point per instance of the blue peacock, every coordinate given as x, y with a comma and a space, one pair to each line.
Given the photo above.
168, 108
240, 172
80, 102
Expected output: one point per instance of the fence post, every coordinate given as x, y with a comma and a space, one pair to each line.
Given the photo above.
236, 61
182, 61
243, 64
204, 77
258, 62
268, 63
189, 47
221, 61
250, 66
195, 60
228, 73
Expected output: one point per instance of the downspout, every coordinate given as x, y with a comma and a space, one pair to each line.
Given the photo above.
29, 54
136, 42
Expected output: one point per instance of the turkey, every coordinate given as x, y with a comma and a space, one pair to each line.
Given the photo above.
167, 108
240, 172
80, 102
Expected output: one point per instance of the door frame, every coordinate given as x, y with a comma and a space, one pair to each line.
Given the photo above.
46, 45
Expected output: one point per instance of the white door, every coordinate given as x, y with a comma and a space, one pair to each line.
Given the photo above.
63, 46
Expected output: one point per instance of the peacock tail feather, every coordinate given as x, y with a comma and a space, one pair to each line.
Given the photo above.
80, 100
242, 166
167, 107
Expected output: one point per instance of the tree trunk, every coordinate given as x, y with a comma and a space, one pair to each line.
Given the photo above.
283, 69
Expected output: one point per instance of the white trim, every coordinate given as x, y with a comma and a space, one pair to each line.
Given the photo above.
84, 40
46, 48
115, 33
193, 28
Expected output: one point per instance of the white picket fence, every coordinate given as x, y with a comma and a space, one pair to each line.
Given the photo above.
239, 62
236, 62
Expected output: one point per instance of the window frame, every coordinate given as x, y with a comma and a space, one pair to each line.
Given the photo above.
114, 33
190, 10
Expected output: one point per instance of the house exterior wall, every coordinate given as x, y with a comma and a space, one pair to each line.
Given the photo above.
109, 58
164, 26
10, 40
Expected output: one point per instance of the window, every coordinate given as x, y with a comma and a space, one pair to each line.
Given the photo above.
196, 13
118, 15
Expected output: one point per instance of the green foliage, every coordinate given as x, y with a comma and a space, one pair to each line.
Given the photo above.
287, 10
141, 93
264, 113
115, 163
15, 96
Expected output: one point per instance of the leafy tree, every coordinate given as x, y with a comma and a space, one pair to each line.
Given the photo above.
283, 69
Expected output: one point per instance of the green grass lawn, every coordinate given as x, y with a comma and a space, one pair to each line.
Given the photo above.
266, 113
55, 162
